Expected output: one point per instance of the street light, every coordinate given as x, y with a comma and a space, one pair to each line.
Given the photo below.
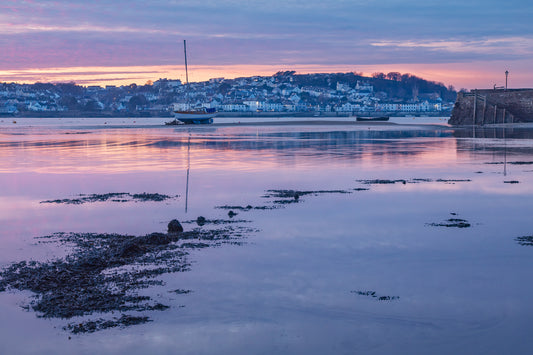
506, 75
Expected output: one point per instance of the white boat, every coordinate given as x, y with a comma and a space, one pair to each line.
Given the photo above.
192, 116
199, 116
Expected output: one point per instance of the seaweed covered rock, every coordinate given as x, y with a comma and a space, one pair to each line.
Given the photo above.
174, 226
201, 221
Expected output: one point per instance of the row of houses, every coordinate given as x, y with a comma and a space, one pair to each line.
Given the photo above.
10, 106
424, 106
288, 106
317, 92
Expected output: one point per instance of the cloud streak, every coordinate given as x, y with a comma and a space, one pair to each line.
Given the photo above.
518, 46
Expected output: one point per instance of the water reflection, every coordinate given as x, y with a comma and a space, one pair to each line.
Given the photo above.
303, 281
497, 145
494, 132
124, 150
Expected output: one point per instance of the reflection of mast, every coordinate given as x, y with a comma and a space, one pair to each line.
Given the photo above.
504, 153
188, 169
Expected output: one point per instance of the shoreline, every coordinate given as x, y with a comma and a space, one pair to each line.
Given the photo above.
325, 123
288, 123
247, 114
420, 123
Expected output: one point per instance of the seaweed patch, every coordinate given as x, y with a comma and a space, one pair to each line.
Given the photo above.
453, 180
283, 197
382, 181
525, 240
293, 196
374, 295
511, 163
113, 197
100, 324
246, 208
409, 181
452, 222
104, 273
202, 221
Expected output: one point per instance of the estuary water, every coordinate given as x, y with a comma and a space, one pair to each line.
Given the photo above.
406, 238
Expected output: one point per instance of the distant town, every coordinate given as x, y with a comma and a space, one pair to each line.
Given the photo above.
283, 93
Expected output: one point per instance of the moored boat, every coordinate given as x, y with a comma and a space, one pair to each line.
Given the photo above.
378, 119
199, 115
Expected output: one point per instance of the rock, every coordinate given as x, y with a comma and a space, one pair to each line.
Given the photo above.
174, 226
201, 221
155, 238
130, 249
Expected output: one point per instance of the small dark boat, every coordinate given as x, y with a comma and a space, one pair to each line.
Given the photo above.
373, 119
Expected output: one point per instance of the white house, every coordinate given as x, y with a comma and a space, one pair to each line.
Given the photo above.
349, 107
234, 107
362, 86
254, 105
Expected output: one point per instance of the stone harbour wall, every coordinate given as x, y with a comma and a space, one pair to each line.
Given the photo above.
482, 107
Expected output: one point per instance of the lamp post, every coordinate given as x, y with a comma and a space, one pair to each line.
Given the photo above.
506, 76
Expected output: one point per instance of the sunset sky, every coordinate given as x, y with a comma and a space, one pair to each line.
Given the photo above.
467, 44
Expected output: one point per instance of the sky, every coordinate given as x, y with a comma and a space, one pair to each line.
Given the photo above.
467, 43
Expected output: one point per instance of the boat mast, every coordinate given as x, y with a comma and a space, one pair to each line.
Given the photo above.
185, 52
187, 91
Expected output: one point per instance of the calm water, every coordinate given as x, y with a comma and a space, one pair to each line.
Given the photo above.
292, 286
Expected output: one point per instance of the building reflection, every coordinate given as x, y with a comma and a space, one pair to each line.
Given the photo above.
124, 150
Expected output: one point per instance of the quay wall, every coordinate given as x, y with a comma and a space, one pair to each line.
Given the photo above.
481, 107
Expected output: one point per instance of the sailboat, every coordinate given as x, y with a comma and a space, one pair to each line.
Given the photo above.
199, 115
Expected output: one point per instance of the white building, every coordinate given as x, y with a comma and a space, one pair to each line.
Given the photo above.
349, 107
234, 107
273, 106
170, 83
254, 105
362, 86
342, 87
424, 106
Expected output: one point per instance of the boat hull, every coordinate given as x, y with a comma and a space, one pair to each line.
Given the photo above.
194, 117
373, 119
